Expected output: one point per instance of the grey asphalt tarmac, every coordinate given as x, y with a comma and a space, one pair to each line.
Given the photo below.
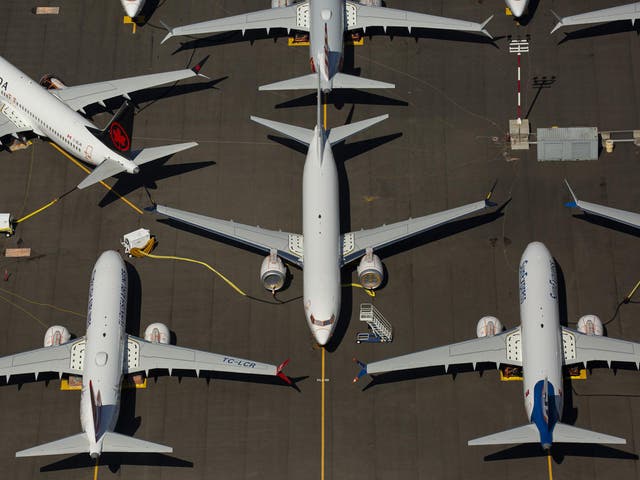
443, 146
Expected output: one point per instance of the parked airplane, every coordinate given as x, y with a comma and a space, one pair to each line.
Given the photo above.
622, 216
630, 11
326, 21
517, 7
50, 109
324, 250
132, 7
540, 346
104, 355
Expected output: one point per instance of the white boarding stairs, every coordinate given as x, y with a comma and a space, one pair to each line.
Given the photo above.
378, 324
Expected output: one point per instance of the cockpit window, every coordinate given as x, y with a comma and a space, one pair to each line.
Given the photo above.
323, 323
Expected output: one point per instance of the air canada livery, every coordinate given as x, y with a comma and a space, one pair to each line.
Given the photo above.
321, 251
50, 110
104, 355
540, 345
327, 21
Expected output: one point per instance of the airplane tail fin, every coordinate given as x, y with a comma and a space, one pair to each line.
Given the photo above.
117, 134
562, 433
338, 134
300, 134
340, 80
109, 168
524, 434
116, 442
79, 443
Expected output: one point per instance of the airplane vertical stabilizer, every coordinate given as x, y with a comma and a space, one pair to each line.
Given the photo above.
118, 133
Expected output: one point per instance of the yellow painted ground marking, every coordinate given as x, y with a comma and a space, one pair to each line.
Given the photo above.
95, 470
26, 312
41, 304
324, 107
128, 20
322, 381
549, 466
87, 171
507, 11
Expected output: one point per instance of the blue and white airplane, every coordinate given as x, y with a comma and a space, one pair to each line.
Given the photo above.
621, 216
540, 345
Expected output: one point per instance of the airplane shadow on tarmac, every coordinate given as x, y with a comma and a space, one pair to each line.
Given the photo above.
604, 29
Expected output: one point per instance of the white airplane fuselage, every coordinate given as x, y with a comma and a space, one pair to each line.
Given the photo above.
541, 337
104, 349
329, 13
517, 7
26, 102
321, 233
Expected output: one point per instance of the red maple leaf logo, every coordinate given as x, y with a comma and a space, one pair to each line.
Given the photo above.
119, 137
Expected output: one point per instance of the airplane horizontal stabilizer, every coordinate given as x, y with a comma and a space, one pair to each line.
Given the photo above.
340, 80
337, 134
78, 443
154, 153
116, 442
524, 434
106, 169
564, 433
302, 135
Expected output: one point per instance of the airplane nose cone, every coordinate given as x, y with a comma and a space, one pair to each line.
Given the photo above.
132, 9
516, 7
322, 337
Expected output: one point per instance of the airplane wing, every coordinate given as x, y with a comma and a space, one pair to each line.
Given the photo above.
66, 358
581, 348
288, 245
503, 348
621, 216
79, 96
144, 356
356, 243
630, 11
294, 17
361, 16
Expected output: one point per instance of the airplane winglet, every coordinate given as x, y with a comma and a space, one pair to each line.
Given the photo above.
281, 375
484, 24
574, 202
487, 200
169, 32
196, 69
559, 24
362, 372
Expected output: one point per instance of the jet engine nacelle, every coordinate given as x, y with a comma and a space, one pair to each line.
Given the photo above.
371, 3
370, 271
281, 3
56, 335
273, 273
157, 333
590, 325
51, 82
488, 327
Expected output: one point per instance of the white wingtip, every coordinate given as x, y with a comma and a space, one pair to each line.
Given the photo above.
559, 24
484, 24
169, 32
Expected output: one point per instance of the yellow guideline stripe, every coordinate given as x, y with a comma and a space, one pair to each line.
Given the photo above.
322, 421
95, 470
87, 171
41, 304
549, 466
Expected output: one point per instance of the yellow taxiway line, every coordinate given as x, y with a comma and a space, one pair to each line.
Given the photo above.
87, 171
95, 470
549, 466
322, 381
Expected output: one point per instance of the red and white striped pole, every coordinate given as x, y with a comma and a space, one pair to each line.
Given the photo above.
519, 95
